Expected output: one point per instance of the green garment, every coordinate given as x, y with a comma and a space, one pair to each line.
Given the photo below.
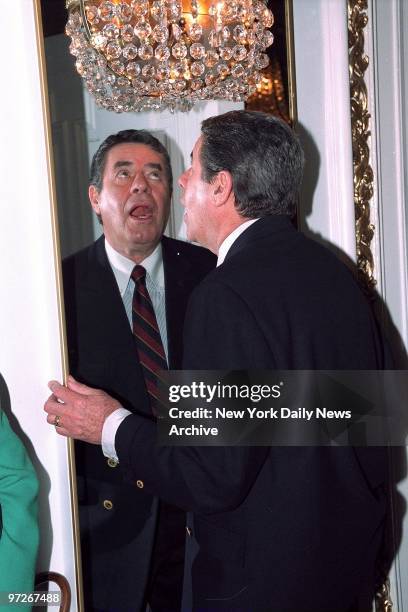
19, 534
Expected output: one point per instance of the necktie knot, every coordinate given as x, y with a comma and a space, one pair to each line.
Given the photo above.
138, 274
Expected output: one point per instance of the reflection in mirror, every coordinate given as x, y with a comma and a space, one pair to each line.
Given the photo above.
131, 544
79, 126
273, 94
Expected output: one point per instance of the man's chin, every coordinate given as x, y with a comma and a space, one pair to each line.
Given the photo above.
144, 237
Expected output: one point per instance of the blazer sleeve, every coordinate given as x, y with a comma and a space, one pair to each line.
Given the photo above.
19, 535
201, 479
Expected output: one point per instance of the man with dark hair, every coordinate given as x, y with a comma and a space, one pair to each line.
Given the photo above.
128, 136
269, 528
132, 544
263, 158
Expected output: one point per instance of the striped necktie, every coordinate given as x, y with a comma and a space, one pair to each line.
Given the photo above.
147, 336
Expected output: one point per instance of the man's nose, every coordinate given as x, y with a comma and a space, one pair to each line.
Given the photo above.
182, 180
140, 184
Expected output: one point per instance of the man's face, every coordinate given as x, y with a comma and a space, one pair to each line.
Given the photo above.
195, 198
134, 201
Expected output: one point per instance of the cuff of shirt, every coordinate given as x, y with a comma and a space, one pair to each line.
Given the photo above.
109, 430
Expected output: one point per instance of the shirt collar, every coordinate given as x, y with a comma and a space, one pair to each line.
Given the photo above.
122, 266
231, 238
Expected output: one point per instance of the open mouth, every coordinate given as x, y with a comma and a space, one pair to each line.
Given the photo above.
141, 213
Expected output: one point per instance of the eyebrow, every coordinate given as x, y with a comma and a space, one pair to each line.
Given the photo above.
124, 163
153, 166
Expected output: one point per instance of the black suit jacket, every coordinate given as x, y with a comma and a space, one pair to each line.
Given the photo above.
273, 529
117, 543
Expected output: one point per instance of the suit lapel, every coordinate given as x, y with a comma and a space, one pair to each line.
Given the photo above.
179, 282
100, 295
102, 286
112, 339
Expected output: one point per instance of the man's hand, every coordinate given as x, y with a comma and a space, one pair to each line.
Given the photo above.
81, 411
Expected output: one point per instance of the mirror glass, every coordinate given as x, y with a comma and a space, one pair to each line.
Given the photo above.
78, 128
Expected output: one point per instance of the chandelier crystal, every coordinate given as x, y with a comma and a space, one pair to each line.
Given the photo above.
137, 55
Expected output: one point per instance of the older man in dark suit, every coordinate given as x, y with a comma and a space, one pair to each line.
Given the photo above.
132, 544
270, 529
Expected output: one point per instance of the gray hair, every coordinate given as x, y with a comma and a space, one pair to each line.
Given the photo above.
263, 156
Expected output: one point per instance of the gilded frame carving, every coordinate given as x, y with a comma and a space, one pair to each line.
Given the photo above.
363, 178
61, 310
360, 128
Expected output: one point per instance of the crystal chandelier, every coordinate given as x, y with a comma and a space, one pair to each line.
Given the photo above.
270, 96
139, 55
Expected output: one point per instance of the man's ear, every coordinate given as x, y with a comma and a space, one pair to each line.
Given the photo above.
222, 187
93, 194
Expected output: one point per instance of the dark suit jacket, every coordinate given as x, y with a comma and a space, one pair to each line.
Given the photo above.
273, 529
117, 543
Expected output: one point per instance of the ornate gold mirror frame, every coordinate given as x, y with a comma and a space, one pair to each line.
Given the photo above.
291, 105
363, 179
360, 126
61, 311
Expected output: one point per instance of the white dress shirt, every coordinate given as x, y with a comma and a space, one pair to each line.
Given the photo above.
122, 268
230, 239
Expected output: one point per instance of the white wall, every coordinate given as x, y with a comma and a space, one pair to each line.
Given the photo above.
321, 54
387, 43
322, 83
30, 352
